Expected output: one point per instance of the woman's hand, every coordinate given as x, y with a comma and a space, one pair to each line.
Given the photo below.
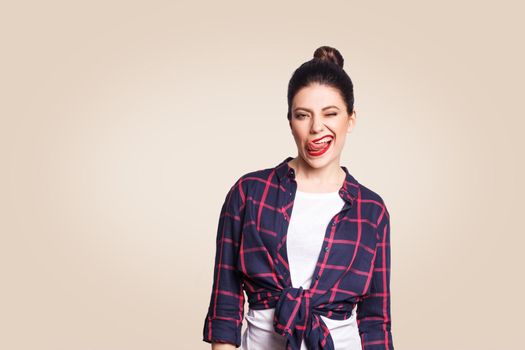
222, 346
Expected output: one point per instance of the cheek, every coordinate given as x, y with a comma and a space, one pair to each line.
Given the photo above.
298, 134
341, 130
341, 139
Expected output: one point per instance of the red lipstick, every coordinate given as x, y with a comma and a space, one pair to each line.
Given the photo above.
317, 149
322, 137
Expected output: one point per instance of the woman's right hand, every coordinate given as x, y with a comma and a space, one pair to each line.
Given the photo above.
222, 346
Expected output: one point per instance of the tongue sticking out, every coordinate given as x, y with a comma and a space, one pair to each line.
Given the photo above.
317, 147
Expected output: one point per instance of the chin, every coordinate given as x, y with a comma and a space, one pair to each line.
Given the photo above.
317, 162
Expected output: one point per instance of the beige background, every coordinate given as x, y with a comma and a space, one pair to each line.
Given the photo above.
123, 124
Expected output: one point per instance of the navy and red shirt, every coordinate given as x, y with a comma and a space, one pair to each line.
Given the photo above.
353, 265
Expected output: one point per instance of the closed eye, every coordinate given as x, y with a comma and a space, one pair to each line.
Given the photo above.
302, 116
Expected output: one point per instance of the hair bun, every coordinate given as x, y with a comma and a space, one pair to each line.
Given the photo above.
330, 54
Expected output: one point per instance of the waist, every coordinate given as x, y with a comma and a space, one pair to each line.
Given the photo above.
262, 319
268, 299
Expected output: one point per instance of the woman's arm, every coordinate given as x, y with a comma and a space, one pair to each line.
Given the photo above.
226, 306
222, 346
373, 311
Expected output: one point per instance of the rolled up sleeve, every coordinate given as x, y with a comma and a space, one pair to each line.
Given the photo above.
373, 311
223, 321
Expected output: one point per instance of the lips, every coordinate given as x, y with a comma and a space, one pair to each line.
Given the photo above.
313, 146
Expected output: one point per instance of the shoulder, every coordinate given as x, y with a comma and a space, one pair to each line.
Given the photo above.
373, 204
255, 178
250, 181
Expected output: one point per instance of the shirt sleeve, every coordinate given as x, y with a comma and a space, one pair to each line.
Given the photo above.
223, 321
373, 311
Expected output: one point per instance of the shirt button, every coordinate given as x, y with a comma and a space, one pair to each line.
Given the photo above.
325, 249
317, 277
276, 261
333, 223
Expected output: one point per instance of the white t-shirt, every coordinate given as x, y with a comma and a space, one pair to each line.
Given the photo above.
311, 214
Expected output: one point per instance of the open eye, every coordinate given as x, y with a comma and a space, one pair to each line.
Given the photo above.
300, 116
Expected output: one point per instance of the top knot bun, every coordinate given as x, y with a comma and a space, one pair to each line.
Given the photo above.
330, 54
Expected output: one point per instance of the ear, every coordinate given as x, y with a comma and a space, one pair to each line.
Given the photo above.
352, 120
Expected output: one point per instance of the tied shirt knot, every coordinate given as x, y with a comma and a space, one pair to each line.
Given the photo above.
295, 319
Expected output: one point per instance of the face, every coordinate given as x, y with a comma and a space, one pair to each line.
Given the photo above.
319, 124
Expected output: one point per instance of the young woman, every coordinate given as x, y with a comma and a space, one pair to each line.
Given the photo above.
306, 242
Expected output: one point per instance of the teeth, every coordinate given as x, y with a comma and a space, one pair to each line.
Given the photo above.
326, 140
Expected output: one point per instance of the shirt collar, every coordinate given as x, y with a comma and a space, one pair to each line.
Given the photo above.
348, 191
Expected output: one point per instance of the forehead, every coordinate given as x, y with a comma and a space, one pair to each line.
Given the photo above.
317, 96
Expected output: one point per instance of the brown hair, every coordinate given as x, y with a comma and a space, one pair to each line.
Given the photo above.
326, 67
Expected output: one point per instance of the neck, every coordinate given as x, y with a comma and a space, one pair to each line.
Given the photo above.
330, 174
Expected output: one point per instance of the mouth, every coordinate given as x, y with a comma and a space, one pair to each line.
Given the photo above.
319, 146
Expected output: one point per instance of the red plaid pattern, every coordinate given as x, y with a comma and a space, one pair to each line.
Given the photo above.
353, 267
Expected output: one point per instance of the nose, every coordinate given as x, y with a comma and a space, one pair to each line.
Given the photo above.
317, 125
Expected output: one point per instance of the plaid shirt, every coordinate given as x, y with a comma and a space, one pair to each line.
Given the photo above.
353, 265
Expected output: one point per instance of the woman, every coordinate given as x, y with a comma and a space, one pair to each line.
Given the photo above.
317, 279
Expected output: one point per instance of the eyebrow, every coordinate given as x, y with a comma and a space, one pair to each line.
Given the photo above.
309, 110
